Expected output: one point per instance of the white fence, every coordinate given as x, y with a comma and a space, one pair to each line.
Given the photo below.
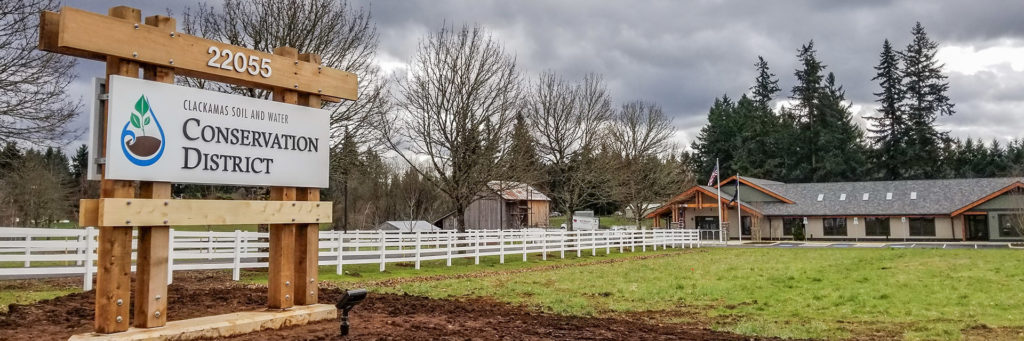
34, 252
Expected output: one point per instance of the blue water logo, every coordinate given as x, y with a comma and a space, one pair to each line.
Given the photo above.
138, 146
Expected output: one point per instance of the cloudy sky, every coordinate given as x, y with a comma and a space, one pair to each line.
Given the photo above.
683, 54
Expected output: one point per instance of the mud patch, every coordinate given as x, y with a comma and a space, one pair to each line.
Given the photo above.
380, 317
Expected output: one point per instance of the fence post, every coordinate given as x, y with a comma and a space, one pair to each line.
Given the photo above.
562, 245
382, 250
476, 258
578, 243
501, 246
593, 243
451, 244
341, 247
524, 243
419, 239
170, 256
209, 244
28, 251
654, 239
633, 241
87, 258
608, 242
544, 245
236, 270
78, 248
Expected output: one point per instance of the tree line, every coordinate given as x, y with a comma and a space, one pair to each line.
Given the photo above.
813, 137
464, 114
425, 142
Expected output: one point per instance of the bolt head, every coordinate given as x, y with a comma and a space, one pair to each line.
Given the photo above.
157, 297
135, 54
120, 302
129, 203
287, 283
165, 221
287, 297
172, 34
136, 26
156, 313
171, 62
119, 319
127, 221
166, 203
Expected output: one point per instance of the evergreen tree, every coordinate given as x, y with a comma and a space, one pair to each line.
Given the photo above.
765, 86
715, 139
762, 153
888, 129
841, 152
522, 161
924, 101
811, 125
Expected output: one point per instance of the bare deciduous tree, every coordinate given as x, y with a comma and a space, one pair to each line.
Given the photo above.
344, 37
34, 106
567, 120
639, 135
455, 108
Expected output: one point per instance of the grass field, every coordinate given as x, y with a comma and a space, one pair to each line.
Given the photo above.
800, 293
813, 293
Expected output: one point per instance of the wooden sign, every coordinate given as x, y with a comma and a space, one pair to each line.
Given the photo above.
90, 35
127, 45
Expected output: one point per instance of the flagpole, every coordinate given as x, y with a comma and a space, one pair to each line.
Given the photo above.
739, 209
718, 185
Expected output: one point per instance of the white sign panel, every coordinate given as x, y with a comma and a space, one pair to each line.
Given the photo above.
165, 132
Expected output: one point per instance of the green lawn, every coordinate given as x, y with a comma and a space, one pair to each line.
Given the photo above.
814, 293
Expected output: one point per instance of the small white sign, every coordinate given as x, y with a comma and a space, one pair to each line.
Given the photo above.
165, 132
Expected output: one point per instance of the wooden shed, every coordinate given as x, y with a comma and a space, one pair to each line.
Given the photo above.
504, 205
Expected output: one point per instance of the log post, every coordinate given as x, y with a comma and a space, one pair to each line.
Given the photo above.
282, 236
113, 281
151, 267
307, 237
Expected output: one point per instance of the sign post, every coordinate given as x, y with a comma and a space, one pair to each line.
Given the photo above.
157, 133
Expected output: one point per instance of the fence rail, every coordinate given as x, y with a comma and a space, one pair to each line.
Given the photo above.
34, 252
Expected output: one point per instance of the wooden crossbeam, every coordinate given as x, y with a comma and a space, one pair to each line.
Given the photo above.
164, 212
94, 36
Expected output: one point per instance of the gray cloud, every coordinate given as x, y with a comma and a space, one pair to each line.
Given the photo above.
684, 54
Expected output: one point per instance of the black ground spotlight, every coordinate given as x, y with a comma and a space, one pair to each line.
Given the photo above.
349, 300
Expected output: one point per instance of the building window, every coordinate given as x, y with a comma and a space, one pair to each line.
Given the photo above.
834, 226
876, 227
922, 227
746, 225
791, 225
1008, 224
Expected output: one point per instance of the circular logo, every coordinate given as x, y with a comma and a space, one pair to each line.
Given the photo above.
142, 138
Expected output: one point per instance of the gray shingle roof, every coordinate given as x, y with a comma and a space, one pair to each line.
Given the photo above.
408, 226
934, 197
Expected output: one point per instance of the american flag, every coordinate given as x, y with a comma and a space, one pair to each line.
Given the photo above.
714, 175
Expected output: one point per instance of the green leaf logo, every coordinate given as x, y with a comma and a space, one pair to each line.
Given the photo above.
135, 121
142, 106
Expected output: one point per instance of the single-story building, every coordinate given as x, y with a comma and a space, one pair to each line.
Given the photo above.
926, 210
408, 226
504, 205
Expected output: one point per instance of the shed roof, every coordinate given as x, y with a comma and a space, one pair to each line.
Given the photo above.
408, 226
510, 190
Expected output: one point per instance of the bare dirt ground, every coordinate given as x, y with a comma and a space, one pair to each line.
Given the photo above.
380, 317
